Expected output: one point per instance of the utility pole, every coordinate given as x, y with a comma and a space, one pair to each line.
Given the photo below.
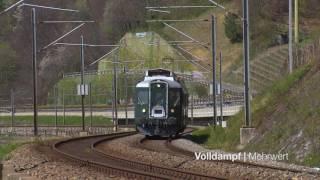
126, 81
82, 87
115, 94
126, 93
56, 105
246, 53
214, 50
64, 107
296, 22
221, 91
34, 52
290, 38
90, 99
192, 107
12, 108
34, 66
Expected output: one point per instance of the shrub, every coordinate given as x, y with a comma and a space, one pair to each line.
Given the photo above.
233, 28
1, 4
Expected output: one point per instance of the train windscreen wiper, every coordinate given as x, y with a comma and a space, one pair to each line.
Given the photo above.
140, 102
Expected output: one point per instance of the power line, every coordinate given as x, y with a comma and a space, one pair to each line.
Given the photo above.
47, 7
87, 45
12, 6
178, 20
55, 22
179, 7
63, 36
161, 11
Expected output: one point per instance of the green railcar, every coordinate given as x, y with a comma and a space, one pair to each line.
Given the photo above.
161, 104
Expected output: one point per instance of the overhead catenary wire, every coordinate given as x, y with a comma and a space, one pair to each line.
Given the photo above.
194, 61
186, 35
47, 7
56, 22
178, 7
177, 20
63, 36
88, 45
11, 7
161, 11
104, 56
217, 4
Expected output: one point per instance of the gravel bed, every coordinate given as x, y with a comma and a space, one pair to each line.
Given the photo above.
126, 147
193, 147
40, 162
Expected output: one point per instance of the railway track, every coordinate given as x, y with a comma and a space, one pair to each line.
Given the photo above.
167, 146
164, 144
242, 163
82, 150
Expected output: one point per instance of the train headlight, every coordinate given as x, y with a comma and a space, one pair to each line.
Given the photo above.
143, 110
172, 110
158, 85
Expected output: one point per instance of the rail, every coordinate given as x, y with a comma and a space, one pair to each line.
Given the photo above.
119, 165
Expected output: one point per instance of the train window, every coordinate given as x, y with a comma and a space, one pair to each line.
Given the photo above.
142, 96
158, 111
158, 94
174, 96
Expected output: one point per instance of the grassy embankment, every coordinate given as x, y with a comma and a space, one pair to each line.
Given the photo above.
50, 120
5, 149
150, 51
278, 114
232, 52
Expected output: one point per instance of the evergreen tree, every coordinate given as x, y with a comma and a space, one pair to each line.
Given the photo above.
233, 28
1, 4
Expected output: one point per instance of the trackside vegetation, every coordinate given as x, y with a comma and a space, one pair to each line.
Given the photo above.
50, 120
7, 148
265, 104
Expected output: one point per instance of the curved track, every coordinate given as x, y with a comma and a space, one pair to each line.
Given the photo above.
164, 144
168, 147
82, 150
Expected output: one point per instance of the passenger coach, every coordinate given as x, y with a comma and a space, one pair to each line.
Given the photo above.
161, 102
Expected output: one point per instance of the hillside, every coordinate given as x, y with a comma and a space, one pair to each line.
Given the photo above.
114, 20
150, 49
15, 35
136, 54
286, 117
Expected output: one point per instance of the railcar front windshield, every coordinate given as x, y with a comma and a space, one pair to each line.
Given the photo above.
158, 95
142, 96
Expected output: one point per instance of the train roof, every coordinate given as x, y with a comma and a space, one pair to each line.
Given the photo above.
155, 75
159, 72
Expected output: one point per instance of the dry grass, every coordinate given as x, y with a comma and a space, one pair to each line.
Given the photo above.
202, 32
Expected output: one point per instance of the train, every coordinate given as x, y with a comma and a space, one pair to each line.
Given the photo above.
161, 104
